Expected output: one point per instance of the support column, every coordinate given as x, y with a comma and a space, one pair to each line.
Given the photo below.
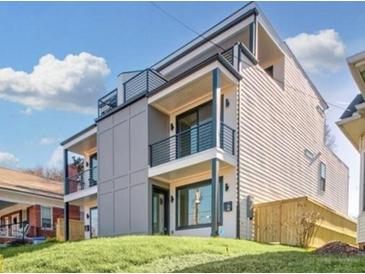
216, 106
215, 195
66, 190
216, 128
253, 36
66, 216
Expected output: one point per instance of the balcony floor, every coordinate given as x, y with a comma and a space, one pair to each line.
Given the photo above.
192, 165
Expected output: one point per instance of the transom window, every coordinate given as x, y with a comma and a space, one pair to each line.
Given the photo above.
46, 217
193, 205
322, 176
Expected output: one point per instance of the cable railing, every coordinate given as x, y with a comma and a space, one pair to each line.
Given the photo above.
229, 55
82, 180
142, 83
108, 102
188, 142
227, 138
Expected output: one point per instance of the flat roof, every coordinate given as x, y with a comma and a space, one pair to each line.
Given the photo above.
20, 181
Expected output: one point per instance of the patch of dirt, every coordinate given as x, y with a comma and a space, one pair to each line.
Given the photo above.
339, 248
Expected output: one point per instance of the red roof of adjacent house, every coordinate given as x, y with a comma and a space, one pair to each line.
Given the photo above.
19, 181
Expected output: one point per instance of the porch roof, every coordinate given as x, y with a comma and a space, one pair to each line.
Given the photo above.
21, 182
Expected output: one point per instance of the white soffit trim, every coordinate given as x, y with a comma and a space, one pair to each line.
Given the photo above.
191, 78
81, 194
211, 31
354, 117
80, 138
208, 45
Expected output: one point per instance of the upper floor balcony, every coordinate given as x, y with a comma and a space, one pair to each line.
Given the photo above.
147, 81
191, 141
80, 165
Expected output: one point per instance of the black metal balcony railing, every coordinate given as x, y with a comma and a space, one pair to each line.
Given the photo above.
108, 102
227, 138
229, 55
189, 142
142, 83
82, 180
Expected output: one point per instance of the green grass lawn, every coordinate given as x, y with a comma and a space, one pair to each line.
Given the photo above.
171, 254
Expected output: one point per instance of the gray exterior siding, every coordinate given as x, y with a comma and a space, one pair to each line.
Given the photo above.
123, 189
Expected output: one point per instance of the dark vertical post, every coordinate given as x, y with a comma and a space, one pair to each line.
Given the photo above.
215, 190
66, 190
216, 136
66, 222
253, 30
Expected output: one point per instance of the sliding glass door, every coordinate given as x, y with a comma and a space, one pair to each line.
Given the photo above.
190, 130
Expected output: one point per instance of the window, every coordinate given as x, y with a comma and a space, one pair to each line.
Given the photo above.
193, 205
322, 176
46, 217
270, 71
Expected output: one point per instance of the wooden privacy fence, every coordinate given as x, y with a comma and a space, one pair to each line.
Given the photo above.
76, 230
285, 222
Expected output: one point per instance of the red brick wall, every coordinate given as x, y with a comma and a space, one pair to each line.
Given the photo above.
34, 219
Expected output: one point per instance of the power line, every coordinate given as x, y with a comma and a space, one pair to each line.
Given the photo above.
223, 49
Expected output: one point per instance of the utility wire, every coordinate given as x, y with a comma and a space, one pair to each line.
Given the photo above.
223, 49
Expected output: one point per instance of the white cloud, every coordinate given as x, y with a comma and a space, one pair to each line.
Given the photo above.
320, 52
8, 160
27, 111
71, 84
56, 160
47, 141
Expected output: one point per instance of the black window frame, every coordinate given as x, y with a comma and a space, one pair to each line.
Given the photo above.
322, 180
194, 185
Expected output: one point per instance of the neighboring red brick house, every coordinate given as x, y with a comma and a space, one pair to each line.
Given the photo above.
32, 203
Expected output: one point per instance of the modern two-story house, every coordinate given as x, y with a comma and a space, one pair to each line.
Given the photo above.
186, 146
352, 124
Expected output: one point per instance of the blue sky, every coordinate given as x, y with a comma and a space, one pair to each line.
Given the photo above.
132, 36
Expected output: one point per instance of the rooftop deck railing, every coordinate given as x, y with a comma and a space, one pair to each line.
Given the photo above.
142, 83
108, 102
83, 180
229, 55
189, 142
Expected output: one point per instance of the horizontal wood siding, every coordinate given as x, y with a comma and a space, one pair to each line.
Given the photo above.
280, 222
276, 125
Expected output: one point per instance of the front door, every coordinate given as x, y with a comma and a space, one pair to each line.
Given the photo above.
160, 211
14, 223
93, 222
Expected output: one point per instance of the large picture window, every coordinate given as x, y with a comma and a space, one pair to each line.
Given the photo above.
194, 202
46, 217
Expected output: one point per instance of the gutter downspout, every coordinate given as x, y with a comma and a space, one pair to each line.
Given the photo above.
238, 226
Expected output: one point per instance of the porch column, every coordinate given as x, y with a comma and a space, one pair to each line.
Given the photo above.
66, 206
216, 128
66, 222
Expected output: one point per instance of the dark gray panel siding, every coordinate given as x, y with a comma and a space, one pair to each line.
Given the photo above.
123, 178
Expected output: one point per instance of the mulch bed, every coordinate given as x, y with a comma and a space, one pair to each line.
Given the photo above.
339, 248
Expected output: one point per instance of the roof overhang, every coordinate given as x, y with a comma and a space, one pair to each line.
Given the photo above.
193, 85
354, 126
82, 141
215, 33
356, 64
